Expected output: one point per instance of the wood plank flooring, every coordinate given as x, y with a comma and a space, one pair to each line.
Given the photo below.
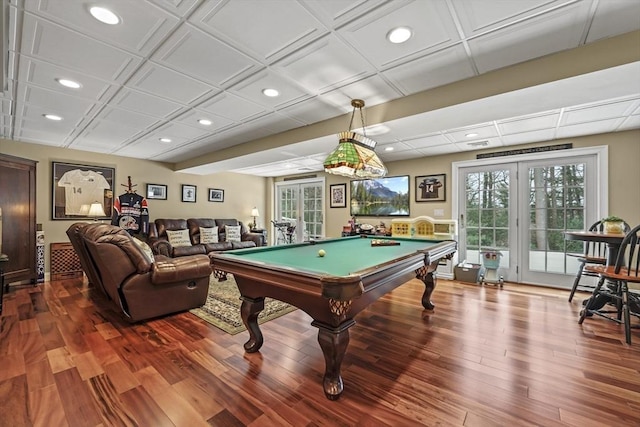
485, 357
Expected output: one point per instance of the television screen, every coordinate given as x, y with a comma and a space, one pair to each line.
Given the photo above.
387, 196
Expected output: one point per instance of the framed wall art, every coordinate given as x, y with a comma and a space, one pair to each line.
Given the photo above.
156, 191
189, 193
431, 188
388, 196
216, 195
74, 188
338, 196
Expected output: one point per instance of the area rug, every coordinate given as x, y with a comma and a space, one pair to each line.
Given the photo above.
222, 308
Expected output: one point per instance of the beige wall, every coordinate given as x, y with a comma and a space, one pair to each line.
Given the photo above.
241, 192
624, 178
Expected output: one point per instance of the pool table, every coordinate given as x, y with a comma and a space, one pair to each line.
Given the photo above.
332, 288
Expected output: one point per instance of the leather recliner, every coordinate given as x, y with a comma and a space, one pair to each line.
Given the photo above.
143, 288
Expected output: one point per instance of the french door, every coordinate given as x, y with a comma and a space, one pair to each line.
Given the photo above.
301, 204
521, 209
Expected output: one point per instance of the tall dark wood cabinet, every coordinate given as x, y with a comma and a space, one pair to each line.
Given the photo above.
18, 204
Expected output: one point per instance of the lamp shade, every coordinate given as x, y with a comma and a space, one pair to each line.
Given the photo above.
355, 155
96, 210
254, 212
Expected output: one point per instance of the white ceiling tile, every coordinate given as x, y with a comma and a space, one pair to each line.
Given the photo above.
119, 117
333, 62
539, 36
373, 90
252, 87
161, 81
529, 136
614, 17
433, 70
592, 128
52, 43
427, 141
478, 17
177, 7
484, 131
143, 26
529, 123
44, 74
190, 118
335, 13
433, 26
202, 56
592, 113
141, 102
232, 107
631, 122
103, 134
311, 111
287, 31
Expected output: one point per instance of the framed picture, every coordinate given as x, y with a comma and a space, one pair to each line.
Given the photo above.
390, 196
338, 195
431, 188
216, 195
74, 188
189, 193
157, 191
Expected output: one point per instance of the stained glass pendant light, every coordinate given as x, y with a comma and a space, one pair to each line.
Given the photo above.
355, 155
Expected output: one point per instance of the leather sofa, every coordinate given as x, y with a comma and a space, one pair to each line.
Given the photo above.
159, 239
142, 287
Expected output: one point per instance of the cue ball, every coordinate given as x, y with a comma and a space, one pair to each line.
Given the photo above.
321, 252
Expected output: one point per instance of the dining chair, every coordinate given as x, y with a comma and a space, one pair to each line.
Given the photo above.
613, 284
595, 253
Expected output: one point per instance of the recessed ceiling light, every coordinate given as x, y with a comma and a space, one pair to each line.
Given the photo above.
271, 93
389, 149
69, 83
471, 135
165, 140
104, 15
399, 35
53, 117
205, 122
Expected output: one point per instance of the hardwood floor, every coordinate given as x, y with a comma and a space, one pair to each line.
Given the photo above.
486, 356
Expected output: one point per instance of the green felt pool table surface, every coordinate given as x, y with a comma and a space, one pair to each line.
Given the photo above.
344, 256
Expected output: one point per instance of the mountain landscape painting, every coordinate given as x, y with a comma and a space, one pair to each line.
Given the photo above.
387, 196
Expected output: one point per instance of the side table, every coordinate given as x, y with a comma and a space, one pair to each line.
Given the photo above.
261, 231
3, 260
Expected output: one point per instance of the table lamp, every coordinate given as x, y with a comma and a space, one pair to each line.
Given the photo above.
255, 214
96, 211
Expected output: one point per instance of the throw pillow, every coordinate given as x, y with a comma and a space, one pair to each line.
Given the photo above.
179, 238
145, 248
232, 233
208, 234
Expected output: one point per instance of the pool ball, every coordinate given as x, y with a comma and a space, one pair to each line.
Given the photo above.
321, 252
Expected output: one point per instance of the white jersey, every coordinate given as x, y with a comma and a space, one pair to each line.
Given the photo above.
82, 188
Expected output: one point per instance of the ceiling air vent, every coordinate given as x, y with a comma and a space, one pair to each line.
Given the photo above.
478, 143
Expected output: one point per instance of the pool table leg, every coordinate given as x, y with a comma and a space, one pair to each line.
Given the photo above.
249, 312
333, 342
429, 280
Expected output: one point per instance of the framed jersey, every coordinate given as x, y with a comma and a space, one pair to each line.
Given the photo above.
76, 187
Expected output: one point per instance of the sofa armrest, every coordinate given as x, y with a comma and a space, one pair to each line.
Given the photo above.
161, 247
177, 269
257, 238
181, 251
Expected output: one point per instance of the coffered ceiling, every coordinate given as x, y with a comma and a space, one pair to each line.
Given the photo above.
170, 63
